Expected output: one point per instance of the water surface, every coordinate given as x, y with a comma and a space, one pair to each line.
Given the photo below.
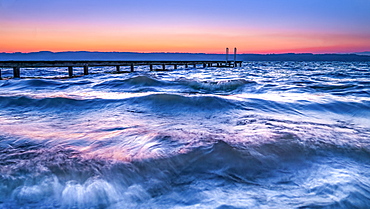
266, 135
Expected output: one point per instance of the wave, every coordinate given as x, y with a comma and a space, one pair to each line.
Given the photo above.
31, 83
215, 86
163, 103
302, 107
333, 88
62, 177
179, 104
57, 103
173, 103
137, 81
46, 85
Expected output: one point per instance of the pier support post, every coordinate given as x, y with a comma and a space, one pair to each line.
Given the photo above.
204, 65
186, 65
175, 67
16, 72
132, 68
163, 67
86, 70
151, 67
195, 66
70, 71
118, 68
1, 78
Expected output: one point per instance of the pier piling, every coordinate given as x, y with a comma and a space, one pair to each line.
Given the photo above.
132, 67
70, 71
86, 70
16, 72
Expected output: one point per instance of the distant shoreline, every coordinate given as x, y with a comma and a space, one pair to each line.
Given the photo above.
84, 55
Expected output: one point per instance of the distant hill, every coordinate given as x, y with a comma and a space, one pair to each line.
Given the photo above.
83, 55
304, 57
363, 53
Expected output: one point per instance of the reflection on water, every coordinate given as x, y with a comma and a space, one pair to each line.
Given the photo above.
268, 134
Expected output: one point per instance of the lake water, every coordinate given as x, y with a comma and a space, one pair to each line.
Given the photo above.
265, 135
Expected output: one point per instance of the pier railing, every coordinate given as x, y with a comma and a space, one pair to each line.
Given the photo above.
18, 65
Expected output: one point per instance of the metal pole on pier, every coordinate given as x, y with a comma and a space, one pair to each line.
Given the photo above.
227, 55
235, 57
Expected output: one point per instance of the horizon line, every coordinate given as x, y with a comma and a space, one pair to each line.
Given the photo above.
272, 53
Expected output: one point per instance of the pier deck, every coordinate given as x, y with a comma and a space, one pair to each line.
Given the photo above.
17, 65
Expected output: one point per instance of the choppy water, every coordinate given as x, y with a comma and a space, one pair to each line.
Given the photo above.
267, 135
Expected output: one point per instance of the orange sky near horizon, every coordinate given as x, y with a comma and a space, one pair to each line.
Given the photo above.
26, 38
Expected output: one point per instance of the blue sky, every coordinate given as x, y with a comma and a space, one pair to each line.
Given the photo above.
285, 25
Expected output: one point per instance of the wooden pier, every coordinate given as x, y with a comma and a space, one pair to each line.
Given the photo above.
18, 65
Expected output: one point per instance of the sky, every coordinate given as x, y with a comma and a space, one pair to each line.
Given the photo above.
197, 26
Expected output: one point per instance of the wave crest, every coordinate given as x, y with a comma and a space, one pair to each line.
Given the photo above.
216, 86
173, 102
138, 81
